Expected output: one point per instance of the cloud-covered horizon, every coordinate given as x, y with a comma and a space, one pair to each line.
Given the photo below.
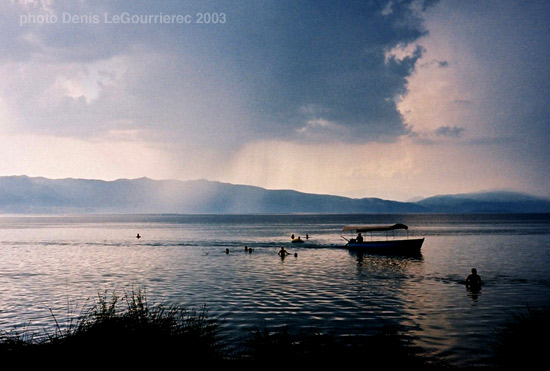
139, 88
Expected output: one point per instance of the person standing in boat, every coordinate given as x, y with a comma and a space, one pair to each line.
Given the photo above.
359, 238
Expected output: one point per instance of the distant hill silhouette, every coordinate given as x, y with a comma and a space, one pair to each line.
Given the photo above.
22, 194
36, 195
486, 202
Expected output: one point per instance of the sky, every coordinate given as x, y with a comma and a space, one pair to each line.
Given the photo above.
390, 99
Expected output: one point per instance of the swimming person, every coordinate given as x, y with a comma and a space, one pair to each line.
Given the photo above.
138, 236
282, 253
473, 281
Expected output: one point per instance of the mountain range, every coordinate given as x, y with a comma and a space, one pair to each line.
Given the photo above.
37, 195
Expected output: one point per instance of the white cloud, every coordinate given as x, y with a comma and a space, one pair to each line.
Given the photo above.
321, 130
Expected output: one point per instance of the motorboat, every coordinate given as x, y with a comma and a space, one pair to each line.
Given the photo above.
382, 238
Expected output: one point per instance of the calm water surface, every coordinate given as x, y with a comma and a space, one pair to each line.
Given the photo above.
62, 263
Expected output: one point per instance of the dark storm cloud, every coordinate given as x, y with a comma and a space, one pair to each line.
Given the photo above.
273, 69
331, 56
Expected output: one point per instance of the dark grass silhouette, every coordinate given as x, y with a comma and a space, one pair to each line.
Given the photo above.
127, 331
124, 329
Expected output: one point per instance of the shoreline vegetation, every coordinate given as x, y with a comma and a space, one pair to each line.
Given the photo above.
127, 330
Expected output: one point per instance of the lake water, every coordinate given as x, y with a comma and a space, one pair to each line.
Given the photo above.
60, 263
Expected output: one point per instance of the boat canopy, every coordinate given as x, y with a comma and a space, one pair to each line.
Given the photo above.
374, 227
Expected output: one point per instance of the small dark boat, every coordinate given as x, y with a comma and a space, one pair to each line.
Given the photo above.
383, 245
